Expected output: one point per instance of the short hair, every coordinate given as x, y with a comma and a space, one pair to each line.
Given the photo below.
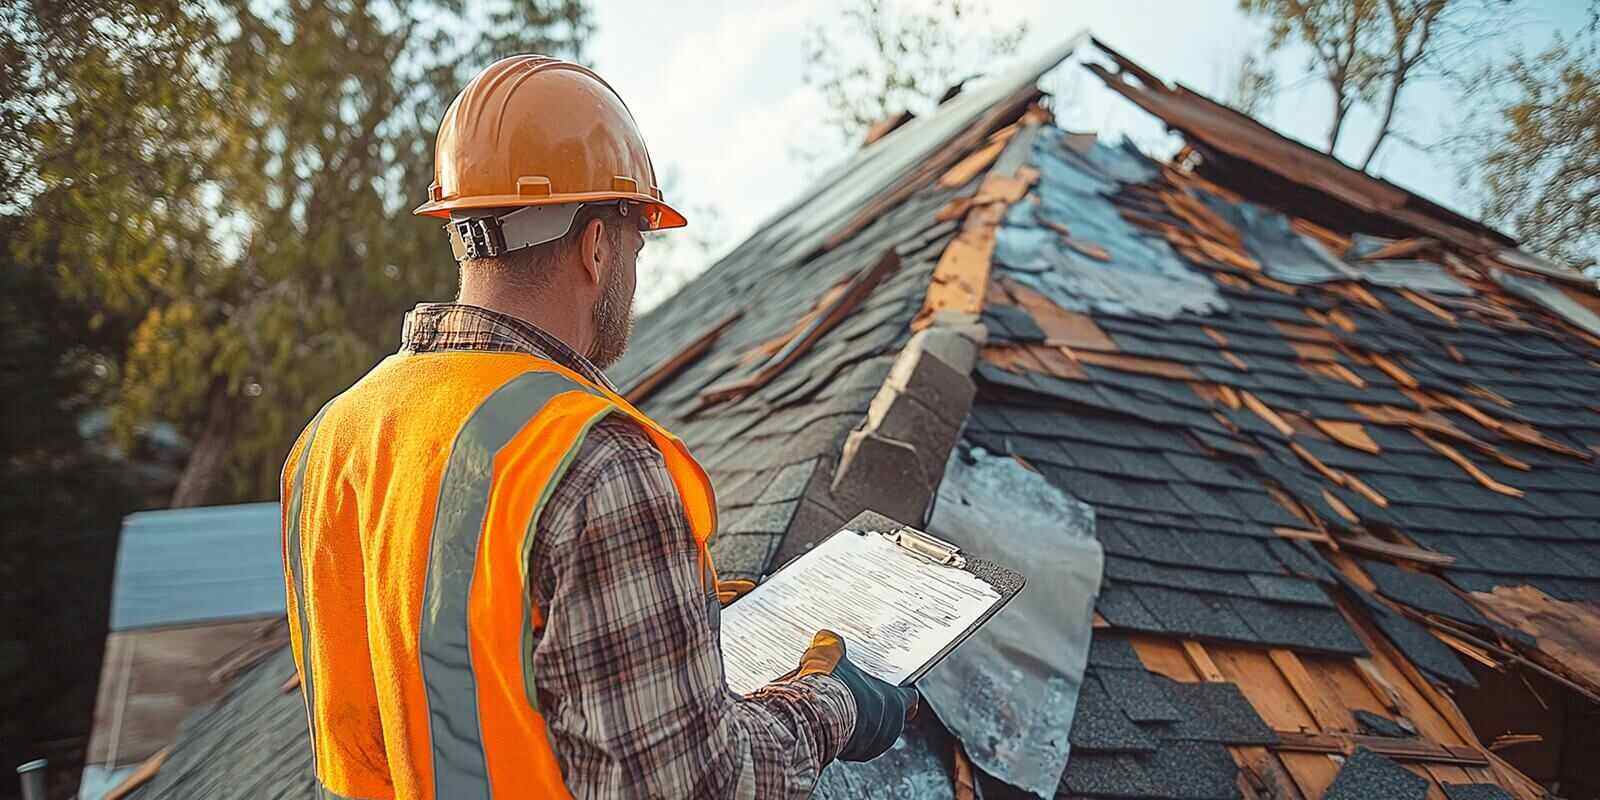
531, 267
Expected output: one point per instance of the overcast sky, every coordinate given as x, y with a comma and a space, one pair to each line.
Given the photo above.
716, 85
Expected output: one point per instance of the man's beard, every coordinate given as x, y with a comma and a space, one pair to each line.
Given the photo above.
613, 321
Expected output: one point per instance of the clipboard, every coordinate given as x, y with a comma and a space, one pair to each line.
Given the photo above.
900, 589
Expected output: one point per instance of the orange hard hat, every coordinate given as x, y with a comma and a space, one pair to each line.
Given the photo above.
538, 131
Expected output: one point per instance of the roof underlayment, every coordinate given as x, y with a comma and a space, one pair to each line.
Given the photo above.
1335, 447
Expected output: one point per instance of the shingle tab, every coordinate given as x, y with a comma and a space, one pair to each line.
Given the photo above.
1121, 607
1216, 712
1110, 650
1194, 771
1141, 695
1098, 724
1474, 791
1369, 776
1379, 725
1107, 775
1194, 613
1422, 592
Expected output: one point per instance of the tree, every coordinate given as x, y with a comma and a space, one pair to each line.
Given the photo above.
264, 250
1252, 86
85, 88
879, 58
1539, 167
1369, 51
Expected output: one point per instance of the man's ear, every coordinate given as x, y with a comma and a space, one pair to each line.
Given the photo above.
591, 248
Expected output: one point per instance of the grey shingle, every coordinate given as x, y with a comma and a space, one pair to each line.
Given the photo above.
1194, 613
1369, 776
1121, 607
1098, 724
1215, 712
1422, 592
1289, 590
1379, 725
1140, 694
1194, 771
1298, 626
1107, 775
1475, 791
1110, 650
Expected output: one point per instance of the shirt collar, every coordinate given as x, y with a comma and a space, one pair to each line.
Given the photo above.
438, 327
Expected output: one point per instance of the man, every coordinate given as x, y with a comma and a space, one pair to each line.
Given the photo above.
497, 569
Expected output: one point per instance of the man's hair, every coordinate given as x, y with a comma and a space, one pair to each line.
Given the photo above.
531, 267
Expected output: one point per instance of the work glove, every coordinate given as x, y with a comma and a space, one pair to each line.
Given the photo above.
882, 710
733, 589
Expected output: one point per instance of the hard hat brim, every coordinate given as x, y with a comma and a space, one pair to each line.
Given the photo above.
667, 217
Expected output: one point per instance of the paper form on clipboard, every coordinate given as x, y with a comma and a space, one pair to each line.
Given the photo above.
898, 609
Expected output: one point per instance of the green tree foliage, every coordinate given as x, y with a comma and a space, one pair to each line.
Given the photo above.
83, 93
1252, 86
1539, 167
206, 222
880, 57
261, 247
1369, 51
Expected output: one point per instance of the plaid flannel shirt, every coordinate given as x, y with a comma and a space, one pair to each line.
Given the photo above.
629, 662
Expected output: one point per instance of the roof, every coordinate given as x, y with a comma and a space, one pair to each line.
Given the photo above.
198, 564
1336, 445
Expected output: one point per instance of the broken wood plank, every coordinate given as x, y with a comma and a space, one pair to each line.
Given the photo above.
1380, 686
1135, 364
1329, 716
1201, 661
1400, 248
649, 382
1309, 536
1416, 750
146, 771
1349, 434
1261, 410
961, 278
1428, 305
1372, 545
1467, 466
978, 160
1340, 508
847, 302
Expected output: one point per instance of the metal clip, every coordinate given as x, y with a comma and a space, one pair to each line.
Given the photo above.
928, 546
477, 237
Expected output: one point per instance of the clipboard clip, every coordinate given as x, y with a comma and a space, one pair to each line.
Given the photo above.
928, 546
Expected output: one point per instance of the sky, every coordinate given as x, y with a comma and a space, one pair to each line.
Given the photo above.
716, 86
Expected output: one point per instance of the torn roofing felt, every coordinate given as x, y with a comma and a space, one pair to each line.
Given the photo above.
1009, 692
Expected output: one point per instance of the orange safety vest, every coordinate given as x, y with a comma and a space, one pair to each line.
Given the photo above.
408, 507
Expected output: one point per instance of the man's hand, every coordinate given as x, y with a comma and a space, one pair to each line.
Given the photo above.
881, 709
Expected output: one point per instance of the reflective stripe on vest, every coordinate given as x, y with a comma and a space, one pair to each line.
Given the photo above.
296, 571
485, 444
459, 768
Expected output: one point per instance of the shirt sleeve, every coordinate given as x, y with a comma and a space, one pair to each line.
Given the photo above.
628, 667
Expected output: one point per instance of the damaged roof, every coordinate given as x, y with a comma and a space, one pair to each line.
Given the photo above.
1338, 442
